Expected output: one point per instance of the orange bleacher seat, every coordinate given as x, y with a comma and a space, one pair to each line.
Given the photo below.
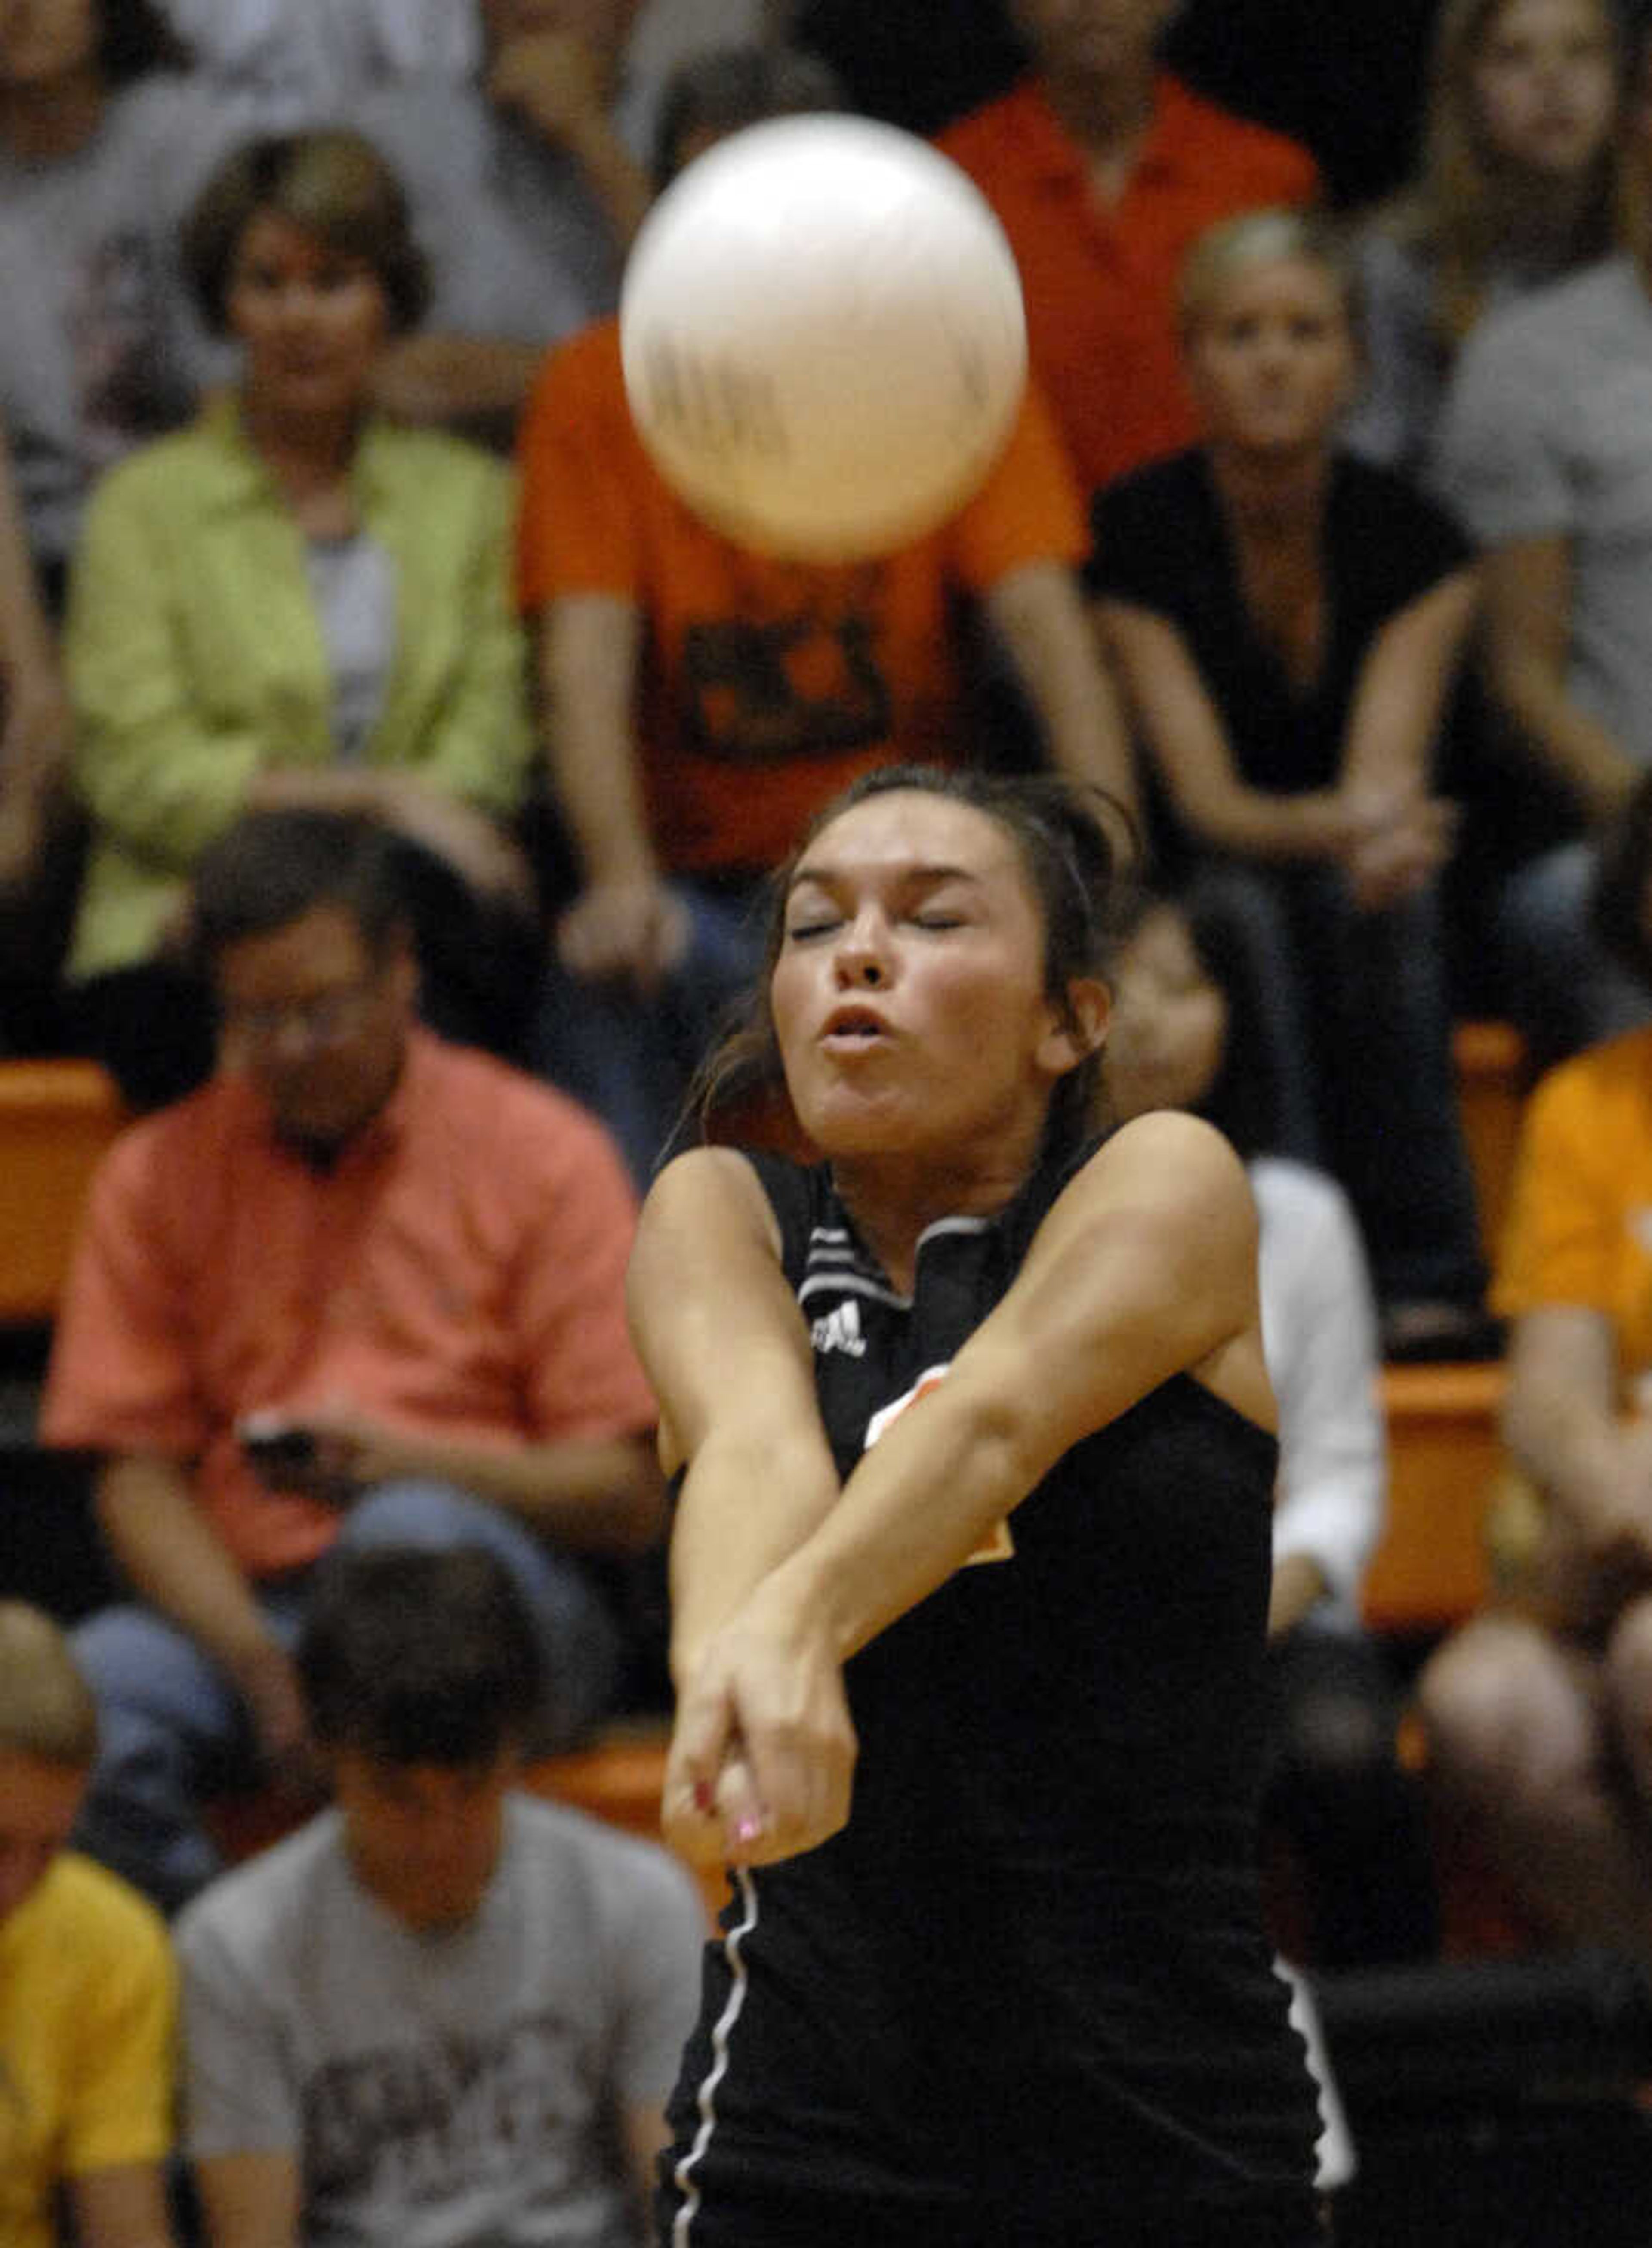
56, 1119
1431, 1570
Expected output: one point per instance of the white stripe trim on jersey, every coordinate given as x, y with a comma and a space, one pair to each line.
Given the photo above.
953, 1225
851, 1284
706, 2099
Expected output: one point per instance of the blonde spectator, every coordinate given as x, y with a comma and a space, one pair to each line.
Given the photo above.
1287, 622
1518, 187
87, 1988
1544, 450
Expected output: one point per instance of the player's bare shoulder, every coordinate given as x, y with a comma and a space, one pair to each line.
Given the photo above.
1174, 1164
705, 1190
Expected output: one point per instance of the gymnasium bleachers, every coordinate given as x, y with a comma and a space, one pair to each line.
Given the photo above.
57, 1117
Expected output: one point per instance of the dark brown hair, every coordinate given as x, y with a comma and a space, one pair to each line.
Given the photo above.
333, 185
1060, 833
411, 1655
272, 868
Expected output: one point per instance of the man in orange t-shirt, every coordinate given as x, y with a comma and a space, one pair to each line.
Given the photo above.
703, 700
1103, 169
364, 1286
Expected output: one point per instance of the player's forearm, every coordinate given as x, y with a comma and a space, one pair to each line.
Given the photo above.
751, 1499
937, 1485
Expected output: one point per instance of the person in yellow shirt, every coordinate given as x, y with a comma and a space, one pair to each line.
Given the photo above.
87, 1984
1538, 1712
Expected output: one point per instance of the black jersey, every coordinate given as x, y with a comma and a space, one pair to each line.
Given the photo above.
1025, 1996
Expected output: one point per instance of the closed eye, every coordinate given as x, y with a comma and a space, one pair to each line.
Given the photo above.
800, 932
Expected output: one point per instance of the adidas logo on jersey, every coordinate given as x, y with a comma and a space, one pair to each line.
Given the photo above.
840, 1330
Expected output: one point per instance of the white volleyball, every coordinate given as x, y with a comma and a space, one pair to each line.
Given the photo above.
824, 339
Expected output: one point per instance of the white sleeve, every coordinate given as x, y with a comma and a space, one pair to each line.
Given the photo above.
1318, 1325
240, 2096
1498, 457
661, 1937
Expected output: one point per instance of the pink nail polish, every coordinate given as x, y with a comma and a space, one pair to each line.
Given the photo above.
747, 1830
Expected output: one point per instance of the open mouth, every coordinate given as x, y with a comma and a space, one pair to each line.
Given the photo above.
855, 1026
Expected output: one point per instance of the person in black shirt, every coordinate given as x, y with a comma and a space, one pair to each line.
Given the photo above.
970, 1577
1287, 622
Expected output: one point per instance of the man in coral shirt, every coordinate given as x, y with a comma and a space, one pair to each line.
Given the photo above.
363, 1287
1103, 168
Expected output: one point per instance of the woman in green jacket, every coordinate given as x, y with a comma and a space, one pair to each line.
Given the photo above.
295, 602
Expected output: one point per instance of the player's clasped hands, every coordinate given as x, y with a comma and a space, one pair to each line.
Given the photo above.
762, 1755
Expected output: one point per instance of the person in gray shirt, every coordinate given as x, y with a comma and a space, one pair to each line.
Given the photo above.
444, 2012
525, 197
1545, 452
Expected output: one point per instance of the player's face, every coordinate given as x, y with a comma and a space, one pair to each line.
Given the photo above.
1271, 359
1544, 84
318, 1021
1169, 1023
423, 1838
42, 41
908, 996
38, 1804
311, 321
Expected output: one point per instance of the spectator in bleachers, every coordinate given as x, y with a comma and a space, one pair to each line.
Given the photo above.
34, 709
296, 602
1544, 450
1103, 167
702, 700
1189, 1029
1287, 622
36, 818
409, 1254
87, 1985
1538, 1713
102, 138
103, 141
444, 2011
917, 63
525, 197
300, 61
1518, 187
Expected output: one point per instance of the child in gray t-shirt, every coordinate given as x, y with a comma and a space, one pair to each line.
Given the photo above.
443, 2013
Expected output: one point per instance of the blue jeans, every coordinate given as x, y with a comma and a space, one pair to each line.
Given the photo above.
1553, 976
173, 1731
629, 1056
